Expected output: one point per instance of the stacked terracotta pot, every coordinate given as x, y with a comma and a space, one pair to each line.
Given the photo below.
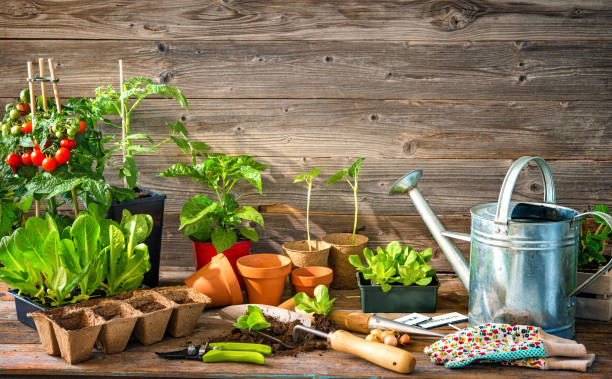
72, 331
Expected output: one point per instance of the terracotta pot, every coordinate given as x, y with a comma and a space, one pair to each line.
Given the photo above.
218, 281
190, 304
156, 309
301, 256
76, 332
203, 252
120, 319
305, 279
264, 276
341, 248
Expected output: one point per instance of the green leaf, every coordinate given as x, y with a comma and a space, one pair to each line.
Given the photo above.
252, 175
139, 136
253, 320
251, 214
199, 146
222, 239
300, 178
321, 304
182, 143
129, 171
181, 169
195, 209
353, 171
249, 233
337, 176
356, 261
178, 128
314, 173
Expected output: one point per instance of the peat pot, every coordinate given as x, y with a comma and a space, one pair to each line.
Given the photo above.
523, 255
152, 205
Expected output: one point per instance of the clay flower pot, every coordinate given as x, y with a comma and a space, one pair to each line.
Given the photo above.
76, 332
217, 281
341, 248
190, 304
120, 320
301, 256
156, 309
305, 279
203, 252
264, 277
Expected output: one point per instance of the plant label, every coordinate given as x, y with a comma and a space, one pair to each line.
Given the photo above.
412, 319
445, 319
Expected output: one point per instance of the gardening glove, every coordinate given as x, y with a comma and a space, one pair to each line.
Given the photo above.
554, 363
500, 342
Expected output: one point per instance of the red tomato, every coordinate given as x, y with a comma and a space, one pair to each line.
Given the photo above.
48, 164
37, 157
13, 160
62, 155
68, 143
26, 107
26, 159
26, 127
82, 126
21, 109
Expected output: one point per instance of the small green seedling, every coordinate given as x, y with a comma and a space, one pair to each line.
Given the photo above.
593, 242
308, 178
321, 304
351, 175
253, 320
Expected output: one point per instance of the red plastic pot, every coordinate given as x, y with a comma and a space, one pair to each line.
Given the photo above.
203, 252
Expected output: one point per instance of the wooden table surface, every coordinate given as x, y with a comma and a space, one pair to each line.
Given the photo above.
22, 355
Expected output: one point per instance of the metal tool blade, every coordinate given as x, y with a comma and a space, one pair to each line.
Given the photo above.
377, 322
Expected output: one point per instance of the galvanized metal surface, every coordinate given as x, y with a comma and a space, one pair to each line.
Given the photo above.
523, 256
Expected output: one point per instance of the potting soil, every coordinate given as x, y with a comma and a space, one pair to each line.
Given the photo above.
284, 332
73, 321
149, 307
107, 311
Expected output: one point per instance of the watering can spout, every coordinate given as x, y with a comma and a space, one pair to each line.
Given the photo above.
408, 183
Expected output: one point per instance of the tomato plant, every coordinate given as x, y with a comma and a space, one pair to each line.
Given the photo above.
26, 127
82, 127
49, 164
26, 158
68, 143
37, 157
62, 155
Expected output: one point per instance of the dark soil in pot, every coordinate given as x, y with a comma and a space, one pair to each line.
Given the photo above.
284, 332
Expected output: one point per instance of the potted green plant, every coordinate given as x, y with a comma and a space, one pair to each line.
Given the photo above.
133, 197
49, 266
345, 244
214, 224
396, 280
594, 235
307, 252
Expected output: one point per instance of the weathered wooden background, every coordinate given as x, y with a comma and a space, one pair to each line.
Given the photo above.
456, 88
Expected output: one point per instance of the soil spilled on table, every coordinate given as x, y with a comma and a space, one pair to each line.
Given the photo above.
284, 332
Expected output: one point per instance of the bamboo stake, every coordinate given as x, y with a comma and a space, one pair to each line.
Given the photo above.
41, 69
75, 200
123, 126
33, 110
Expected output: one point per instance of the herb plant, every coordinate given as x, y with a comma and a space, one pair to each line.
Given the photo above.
135, 90
219, 220
321, 304
253, 320
351, 175
48, 263
593, 242
395, 265
308, 178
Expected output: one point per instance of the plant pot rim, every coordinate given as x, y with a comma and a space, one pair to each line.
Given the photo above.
357, 237
361, 282
316, 249
240, 240
154, 197
281, 267
319, 275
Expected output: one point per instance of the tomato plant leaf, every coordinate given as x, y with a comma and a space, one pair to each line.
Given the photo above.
249, 233
222, 239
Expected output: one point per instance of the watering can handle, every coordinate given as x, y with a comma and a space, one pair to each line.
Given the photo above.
505, 195
608, 219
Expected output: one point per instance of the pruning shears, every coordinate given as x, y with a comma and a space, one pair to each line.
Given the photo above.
222, 352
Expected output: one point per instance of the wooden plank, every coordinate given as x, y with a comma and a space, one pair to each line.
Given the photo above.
452, 186
386, 129
594, 309
308, 19
282, 227
510, 70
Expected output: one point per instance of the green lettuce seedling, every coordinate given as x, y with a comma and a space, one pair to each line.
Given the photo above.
348, 174
395, 265
308, 177
253, 320
593, 242
321, 304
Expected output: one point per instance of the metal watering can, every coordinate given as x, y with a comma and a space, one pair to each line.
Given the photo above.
523, 256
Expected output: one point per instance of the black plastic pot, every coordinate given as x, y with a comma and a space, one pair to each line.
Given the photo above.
23, 306
154, 206
399, 299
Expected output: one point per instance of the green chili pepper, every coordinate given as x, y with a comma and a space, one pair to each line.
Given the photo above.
233, 356
240, 346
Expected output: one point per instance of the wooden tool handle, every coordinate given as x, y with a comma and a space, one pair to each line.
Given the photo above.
349, 320
389, 357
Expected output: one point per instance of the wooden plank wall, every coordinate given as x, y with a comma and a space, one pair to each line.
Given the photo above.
456, 88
